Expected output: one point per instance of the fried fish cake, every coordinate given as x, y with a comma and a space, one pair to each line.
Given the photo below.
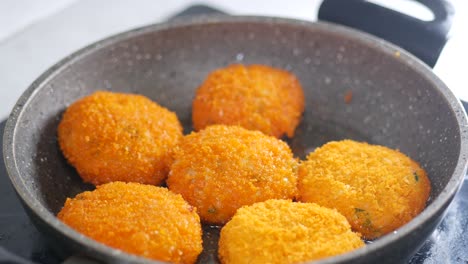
378, 189
139, 219
256, 97
281, 231
110, 136
222, 168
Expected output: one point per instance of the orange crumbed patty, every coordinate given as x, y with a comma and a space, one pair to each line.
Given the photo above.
119, 137
281, 231
256, 97
222, 168
378, 189
139, 219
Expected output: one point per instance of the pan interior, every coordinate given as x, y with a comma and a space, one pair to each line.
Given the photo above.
353, 90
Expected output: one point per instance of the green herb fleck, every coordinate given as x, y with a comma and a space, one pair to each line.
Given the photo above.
359, 210
416, 176
368, 224
365, 219
211, 210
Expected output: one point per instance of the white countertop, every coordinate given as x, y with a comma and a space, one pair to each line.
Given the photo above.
36, 34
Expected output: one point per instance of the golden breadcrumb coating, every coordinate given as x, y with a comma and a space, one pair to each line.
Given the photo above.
256, 97
281, 231
119, 137
376, 188
222, 168
140, 219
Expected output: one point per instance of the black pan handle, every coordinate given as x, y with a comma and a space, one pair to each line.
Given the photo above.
424, 39
197, 9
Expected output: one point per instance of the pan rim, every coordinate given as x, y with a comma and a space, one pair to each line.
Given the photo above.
414, 63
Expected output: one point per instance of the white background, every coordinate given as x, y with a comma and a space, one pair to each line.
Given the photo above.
36, 34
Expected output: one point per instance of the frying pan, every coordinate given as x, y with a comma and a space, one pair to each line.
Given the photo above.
397, 102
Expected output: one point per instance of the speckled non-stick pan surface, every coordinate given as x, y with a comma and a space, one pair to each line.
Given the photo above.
397, 102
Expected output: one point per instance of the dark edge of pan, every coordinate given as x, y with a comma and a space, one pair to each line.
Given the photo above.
409, 60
